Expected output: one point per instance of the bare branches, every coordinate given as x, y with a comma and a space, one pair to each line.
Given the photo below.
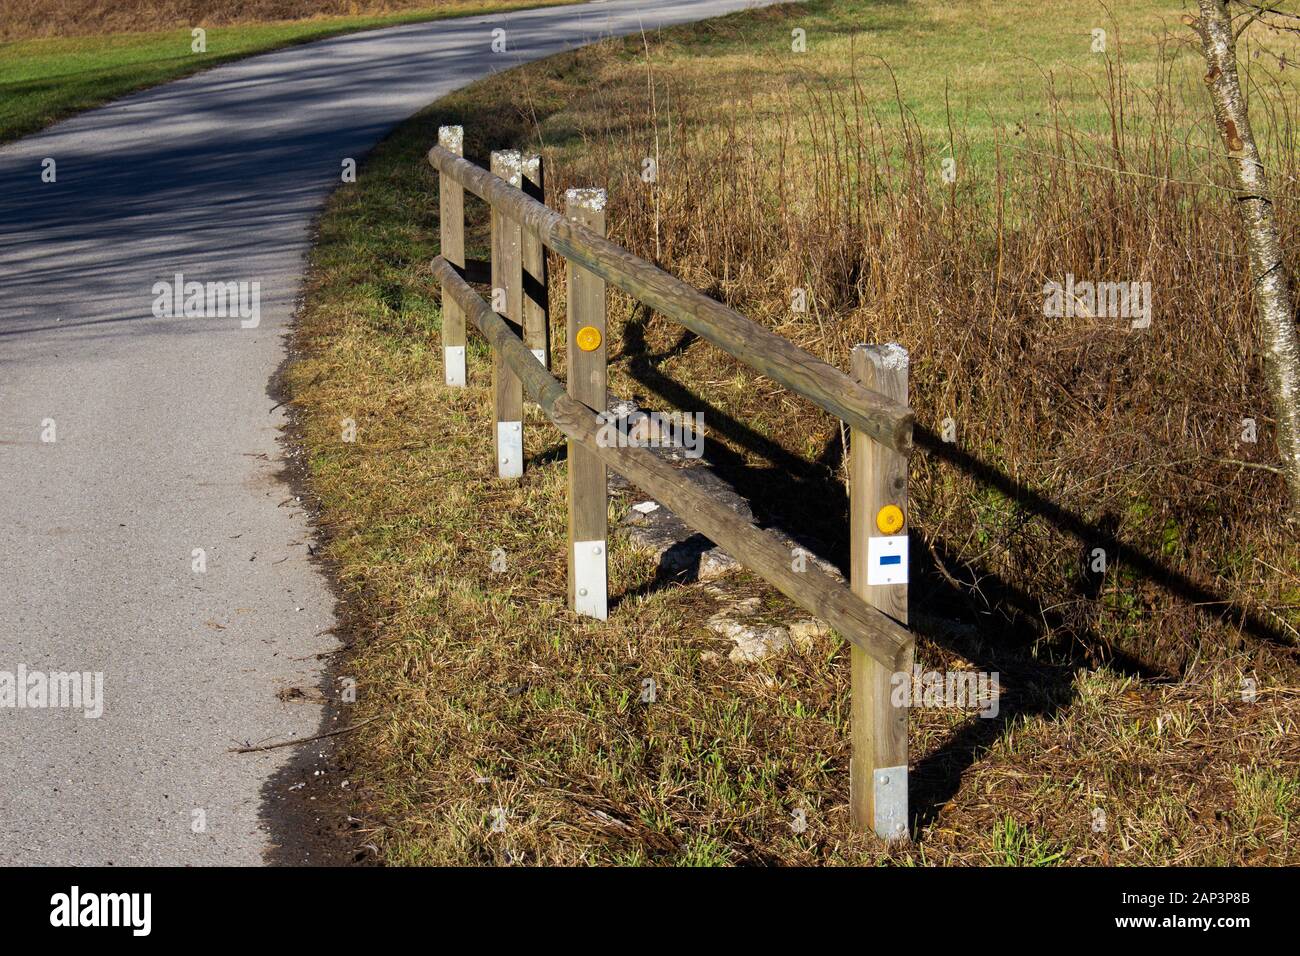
1259, 11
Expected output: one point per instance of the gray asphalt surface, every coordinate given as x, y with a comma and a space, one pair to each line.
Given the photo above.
165, 436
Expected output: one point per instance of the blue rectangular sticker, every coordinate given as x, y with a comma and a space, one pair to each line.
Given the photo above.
891, 559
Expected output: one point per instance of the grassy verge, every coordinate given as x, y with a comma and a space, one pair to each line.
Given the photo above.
44, 80
1149, 712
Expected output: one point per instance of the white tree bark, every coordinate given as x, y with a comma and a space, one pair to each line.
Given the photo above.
1274, 303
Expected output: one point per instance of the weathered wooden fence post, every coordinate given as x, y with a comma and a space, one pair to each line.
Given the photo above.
588, 536
879, 531
537, 310
451, 218
507, 301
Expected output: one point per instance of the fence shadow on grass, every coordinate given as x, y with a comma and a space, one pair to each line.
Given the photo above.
998, 625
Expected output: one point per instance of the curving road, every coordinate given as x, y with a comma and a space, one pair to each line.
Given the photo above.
129, 440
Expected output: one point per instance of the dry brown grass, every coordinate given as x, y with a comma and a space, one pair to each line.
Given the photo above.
23, 19
1123, 692
1071, 433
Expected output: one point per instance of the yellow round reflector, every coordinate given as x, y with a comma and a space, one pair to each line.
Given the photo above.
588, 338
889, 519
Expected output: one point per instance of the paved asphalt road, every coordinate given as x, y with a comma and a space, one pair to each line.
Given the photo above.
165, 436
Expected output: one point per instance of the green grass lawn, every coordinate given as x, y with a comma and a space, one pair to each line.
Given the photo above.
958, 69
45, 80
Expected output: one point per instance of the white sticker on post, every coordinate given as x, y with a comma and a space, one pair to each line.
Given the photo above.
540, 355
453, 360
590, 591
887, 560
510, 449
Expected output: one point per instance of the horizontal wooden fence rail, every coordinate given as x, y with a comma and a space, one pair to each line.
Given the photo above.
871, 614
812, 589
883, 419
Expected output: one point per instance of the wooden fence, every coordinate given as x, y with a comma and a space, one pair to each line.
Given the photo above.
871, 614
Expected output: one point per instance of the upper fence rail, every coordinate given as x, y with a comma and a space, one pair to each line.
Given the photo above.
884, 419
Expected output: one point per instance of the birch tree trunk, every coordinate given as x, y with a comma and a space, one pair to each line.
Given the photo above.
1274, 303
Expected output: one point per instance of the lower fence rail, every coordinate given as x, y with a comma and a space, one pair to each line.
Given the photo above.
879, 636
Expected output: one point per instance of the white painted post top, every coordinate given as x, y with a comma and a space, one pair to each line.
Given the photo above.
452, 138
590, 199
890, 356
511, 164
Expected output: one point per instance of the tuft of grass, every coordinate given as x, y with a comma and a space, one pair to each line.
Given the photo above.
1122, 691
1264, 794
1016, 845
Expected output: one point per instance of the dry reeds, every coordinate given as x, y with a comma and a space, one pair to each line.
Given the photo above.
1070, 433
